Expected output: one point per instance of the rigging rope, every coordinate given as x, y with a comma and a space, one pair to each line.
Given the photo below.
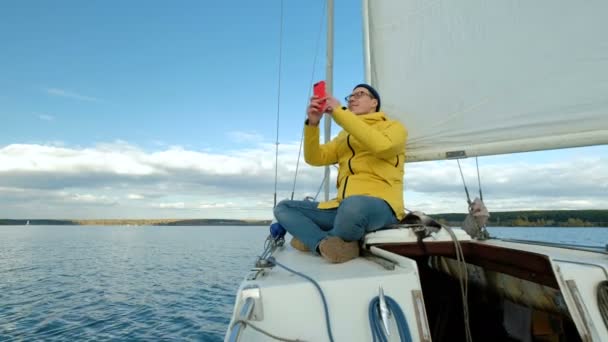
466, 190
475, 221
325, 307
463, 276
320, 187
258, 329
463, 280
478, 180
312, 79
463, 182
276, 157
462, 266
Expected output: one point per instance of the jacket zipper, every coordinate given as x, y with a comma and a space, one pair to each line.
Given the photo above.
350, 168
344, 189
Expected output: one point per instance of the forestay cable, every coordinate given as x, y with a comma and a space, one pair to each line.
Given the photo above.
276, 157
314, 64
478, 179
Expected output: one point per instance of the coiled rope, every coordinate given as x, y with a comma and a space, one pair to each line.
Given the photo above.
375, 321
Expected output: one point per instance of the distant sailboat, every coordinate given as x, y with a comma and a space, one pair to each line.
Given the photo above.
27, 223
467, 78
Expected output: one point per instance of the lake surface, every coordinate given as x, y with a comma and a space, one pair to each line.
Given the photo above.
67, 283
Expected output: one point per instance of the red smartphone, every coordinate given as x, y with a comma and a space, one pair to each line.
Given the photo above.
319, 91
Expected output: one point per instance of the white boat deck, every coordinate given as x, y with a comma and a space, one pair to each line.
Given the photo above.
321, 270
291, 306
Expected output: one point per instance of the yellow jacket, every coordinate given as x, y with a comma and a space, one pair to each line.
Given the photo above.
370, 152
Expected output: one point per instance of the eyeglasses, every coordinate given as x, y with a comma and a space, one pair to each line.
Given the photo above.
357, 95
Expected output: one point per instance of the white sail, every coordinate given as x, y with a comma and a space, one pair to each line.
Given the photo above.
473, 77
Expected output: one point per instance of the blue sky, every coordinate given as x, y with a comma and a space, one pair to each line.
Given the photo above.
181, 72
149, 109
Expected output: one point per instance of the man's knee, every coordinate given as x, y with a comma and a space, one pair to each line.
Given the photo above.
285, 207
351, 220
281, 208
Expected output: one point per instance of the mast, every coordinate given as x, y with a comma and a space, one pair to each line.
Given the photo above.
367, 63
329, 79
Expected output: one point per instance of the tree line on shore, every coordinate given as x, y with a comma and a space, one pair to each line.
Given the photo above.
537, 218
533, 218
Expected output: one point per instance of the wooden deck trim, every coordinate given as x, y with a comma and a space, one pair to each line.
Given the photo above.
521, 264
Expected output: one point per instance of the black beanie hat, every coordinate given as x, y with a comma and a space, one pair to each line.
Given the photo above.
371, 91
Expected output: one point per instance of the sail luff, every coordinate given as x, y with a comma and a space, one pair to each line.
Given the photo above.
496, 148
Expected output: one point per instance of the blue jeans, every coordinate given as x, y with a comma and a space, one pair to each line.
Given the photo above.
355, 216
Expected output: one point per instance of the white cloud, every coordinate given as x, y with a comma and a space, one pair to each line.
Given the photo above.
89, 199
176, 205
245, 137
70, 94
216, 205
46, 117
580, 183
121, 180
49, 159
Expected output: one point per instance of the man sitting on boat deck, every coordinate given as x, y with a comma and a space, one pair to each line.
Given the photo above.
370, 152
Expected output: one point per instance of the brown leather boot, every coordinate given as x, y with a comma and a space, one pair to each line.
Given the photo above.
299, 245
336, 250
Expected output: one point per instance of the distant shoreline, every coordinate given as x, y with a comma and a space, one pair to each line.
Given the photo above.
531, 218
135, 222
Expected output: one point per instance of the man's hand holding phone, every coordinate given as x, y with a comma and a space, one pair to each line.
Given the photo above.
318, 103
319, 92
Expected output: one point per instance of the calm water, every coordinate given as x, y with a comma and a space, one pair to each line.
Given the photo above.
66, 283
